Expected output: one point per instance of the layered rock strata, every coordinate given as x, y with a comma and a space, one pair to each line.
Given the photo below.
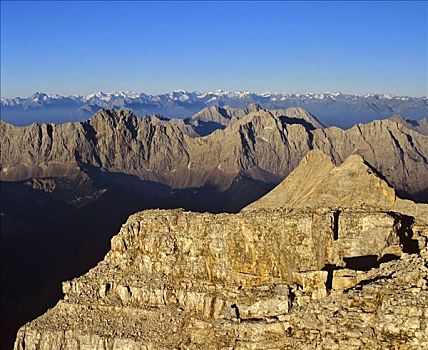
256, 280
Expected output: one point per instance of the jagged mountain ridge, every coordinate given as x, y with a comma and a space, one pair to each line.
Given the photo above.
262, 145
339, 109
213, 118
421, 125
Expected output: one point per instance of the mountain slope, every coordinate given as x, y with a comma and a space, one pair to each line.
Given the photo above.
317, 183
421, 125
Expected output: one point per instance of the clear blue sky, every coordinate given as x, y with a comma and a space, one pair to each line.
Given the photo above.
82, 47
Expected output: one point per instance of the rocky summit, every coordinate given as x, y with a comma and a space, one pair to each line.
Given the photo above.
349, 272
318, 183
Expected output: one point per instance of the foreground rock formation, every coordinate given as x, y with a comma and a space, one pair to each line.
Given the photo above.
334, 276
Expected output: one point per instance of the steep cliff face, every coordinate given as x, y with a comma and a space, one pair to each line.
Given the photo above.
337, 277
262, 146
255, 280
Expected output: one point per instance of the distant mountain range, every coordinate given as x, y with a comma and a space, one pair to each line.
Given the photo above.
343, 110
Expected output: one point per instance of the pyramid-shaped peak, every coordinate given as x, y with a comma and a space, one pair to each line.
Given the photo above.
315, 156
317, 183
356, 166
355, 161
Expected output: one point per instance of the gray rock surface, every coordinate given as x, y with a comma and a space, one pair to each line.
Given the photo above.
262, 146
420, 125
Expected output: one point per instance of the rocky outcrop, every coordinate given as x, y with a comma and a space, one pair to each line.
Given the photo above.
262, 146
331, 277
253, 280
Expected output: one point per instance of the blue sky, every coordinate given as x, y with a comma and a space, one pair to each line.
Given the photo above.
82, 47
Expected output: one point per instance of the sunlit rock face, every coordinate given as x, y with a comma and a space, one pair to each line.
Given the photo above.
333, 277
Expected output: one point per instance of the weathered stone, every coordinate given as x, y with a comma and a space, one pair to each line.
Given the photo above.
345, 279
313, 282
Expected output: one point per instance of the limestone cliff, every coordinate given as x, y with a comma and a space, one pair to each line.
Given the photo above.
290, 278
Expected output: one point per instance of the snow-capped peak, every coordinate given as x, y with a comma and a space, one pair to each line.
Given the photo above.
119, 98
180, 91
